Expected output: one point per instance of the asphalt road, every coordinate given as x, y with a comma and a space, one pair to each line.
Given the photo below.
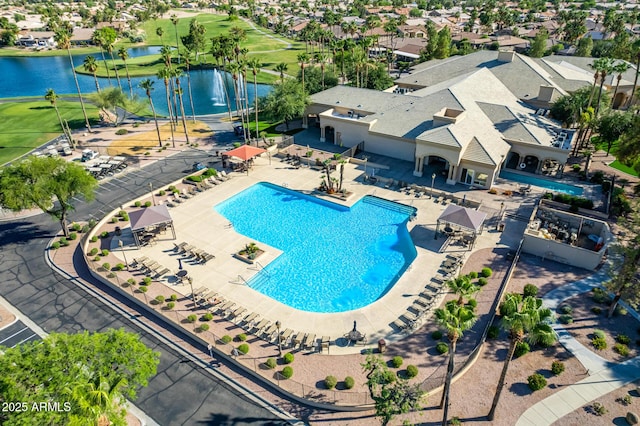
182, 393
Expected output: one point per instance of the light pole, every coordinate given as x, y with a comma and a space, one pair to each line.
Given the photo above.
365, 166
126, 264
193, 296
279, 341
153, 198
433, 180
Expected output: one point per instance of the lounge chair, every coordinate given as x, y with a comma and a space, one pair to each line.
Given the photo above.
324, 343
237, 313
269, 331
225, 175
285, 336
205, 257
138, 261
297, 339
161, 272
400, 325
309, 341
250, 319
257, 329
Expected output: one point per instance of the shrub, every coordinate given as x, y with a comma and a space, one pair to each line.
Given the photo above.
171, 305
270, 363
121, 132
93, 251
599, 343
530, 290
97, 259
599, 409
619, 309
486, 272
124, 216
442, 348
137, 203
522, 348
600, 295
454, 421
349, 382
84, 229
412, 371
119, 266
625, 400
493, 332
55, 245
143, 289
472, 303
396, 361
104, 252
115, 219
621, 349
436, 335
173, 297
576, 167
473, 275
63, 242
204, 327
147, 204
623, 338
482, 281
131, 281
106, 266
241, 337
146, 280
565, 319
287, 372
557, 367
162, 192
599, 333
243, 348
76, 227
596, 310
536, 382
566, 309
73, 236
390, 376
288, 358
111, 275
330, 382
192, 318
94, 239
207, 317
226, 339
160, 299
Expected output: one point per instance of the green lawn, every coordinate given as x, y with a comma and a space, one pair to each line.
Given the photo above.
623, 168
27, 125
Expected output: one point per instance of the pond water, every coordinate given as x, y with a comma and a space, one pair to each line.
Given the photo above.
33, 76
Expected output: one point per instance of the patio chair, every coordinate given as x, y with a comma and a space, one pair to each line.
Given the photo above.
440, 198
237, 314
139, 261
426, 302
324, 343
285, 336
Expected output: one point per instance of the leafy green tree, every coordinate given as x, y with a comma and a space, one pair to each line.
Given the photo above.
612, 125
625, 257
313, 77
93, 372
165, 74
539, 44
378, 78
604, 66
523, 318
444, 44
49, 183
567, 109
110, 101
281, 68
100, 39
628, 146
391, 396
186, 59
573, 24
195, 40
174, 21
147, 85
585, 45
286, 101
454, 319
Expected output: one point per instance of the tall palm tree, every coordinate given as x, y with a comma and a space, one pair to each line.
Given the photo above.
523, 318
234, 69
245, 95
64, 42
165, 75
91, 65
174, 21
604, 66
147, 85
636, 48
124, 55
109, 47
303, 59
186, 58
255, 68
179, 96
463, 287
454, 319
52, 97
160, 33
99, 40
321, 59
281, 68
619, 68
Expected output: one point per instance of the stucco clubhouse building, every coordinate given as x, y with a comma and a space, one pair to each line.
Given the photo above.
467, 116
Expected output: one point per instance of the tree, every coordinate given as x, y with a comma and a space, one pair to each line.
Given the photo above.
625, 257
93, 373
619, 68
313, 80
444, 44
90, 65
539, 44
234, 69
567, 109
255, 64
52, 97
286, 101
107, 38
391, 396
186, 58
585, 45
147, 85
628, 146
111, 100
63, 39
636, 48
463, 287
99, 39
174, 21
49, 183
454, 319
604, 66
522, 318
281, 68
195, 40
165, 75
160, 33
124, 55
612, 125
179, 96
303, 59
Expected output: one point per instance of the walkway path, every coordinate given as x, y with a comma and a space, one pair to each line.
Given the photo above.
604, 376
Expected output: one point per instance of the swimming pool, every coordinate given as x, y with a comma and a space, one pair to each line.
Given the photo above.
542, 183
335, 258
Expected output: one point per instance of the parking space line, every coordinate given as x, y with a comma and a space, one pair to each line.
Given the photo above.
24, 340
14, 334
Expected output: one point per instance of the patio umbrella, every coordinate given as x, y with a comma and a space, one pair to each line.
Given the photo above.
245, 153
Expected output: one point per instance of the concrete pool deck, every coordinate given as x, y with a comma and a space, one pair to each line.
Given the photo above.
199, 225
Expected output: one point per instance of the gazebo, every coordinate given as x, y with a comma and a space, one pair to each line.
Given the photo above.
462, 217
148, 222
245, 153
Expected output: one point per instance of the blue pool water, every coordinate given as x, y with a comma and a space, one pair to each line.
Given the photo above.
335, 258
542, 183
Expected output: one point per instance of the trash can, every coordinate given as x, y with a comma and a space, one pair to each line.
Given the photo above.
382, 346
501, 226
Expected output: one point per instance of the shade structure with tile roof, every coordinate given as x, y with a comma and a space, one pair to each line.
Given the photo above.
150, 218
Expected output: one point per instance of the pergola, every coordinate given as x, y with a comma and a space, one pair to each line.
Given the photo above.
150, 221
463, 218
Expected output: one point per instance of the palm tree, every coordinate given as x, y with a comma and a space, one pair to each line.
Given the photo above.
179, 96
321, 58
124, 55
186, 58
619, 68
604, 66
109, 47
635, 47
159, 33
98, 399
455, 319
64, 42
90, 65
174, 21
52, 97
147, 85
99, 40
463, 287
281, 68
234, 69
165, 75
303, 58
523, 318
255, 68
245, 95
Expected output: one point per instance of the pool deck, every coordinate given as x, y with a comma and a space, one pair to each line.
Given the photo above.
197, 223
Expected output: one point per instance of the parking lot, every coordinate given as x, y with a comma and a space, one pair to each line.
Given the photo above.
17, 333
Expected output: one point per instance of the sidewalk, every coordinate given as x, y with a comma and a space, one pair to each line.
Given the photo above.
604, 376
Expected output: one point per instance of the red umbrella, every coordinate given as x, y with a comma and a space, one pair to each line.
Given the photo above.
245, 152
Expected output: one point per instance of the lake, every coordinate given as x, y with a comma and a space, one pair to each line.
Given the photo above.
33, 76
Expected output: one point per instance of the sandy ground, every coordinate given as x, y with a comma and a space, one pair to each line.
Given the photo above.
6, 317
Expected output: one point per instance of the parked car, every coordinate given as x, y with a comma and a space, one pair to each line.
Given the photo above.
89, 154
